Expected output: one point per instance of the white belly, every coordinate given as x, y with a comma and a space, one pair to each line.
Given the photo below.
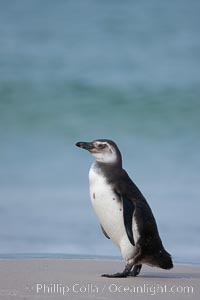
110, 212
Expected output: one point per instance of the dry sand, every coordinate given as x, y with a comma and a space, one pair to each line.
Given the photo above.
80, 279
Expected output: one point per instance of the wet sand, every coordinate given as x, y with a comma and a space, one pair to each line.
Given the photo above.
81, 279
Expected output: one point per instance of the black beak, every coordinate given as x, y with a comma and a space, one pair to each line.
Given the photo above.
85, 145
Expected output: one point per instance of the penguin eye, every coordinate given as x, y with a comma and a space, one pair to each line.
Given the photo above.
101, 146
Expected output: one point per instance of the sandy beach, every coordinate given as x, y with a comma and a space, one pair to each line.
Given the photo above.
81, 279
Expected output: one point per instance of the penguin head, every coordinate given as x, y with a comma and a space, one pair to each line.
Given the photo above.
105, 151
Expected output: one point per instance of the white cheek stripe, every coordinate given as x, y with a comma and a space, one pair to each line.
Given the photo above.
105, 157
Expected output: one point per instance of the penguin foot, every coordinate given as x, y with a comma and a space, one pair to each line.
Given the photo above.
115, 275
136, 270
123, 274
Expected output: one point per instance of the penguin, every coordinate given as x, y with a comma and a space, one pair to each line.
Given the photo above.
125, 216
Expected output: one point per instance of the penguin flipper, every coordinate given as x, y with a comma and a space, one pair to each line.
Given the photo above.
128, 210
104, 232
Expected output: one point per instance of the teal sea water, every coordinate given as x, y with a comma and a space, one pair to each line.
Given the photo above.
81, 70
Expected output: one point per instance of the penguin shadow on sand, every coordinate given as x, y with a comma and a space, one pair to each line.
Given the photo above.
170, 275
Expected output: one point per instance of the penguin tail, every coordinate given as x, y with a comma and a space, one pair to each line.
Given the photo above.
164, 260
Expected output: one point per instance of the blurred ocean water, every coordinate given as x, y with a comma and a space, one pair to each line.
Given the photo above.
81, 70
